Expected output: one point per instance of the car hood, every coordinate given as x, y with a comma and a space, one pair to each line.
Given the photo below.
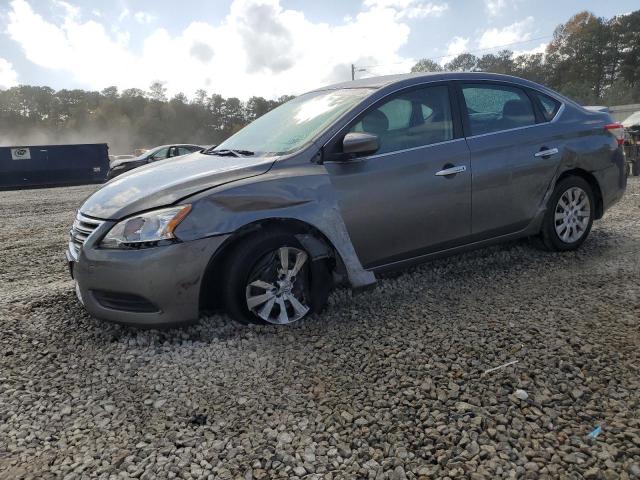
128, 161
165, 182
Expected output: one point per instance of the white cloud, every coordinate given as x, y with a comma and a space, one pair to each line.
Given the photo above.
495, 7
144, 17
70, 10
8, 76
260, 48
124, 14
455, 47
498, 37
409, 8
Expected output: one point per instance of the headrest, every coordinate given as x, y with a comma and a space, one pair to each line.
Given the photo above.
516, 108
375, 122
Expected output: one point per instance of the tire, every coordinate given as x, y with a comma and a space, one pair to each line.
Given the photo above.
636, 168
572, 192
256, 262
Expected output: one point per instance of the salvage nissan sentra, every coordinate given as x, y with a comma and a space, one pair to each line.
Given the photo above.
338, 185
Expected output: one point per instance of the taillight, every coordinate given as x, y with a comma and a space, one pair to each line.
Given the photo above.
617, 131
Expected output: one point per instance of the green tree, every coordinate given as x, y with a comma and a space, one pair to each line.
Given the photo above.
110, 92
502, 62
133, 92
580, 52
426, 65
465, 62
626, 29
200, 97
256, 107
531, 67
158, 92
233, 117
180, 98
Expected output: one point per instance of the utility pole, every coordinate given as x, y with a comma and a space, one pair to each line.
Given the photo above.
354, 70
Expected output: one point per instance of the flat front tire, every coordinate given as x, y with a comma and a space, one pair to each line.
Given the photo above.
271, 279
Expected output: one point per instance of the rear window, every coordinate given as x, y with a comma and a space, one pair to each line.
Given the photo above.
550, 106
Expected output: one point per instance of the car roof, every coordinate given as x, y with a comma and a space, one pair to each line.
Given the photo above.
419, 77
409, 79
175, 145
632, 120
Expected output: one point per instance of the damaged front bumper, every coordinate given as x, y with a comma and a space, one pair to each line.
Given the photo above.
145, 287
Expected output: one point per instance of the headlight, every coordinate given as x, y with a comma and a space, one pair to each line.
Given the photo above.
146, 229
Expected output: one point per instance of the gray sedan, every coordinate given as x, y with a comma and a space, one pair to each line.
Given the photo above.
338, 185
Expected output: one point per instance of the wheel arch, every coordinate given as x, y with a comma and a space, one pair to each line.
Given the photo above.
310, 236
593, 183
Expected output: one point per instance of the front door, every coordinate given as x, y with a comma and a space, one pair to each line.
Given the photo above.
413, 195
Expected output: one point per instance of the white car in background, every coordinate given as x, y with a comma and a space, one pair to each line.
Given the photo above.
117, 158
163, 152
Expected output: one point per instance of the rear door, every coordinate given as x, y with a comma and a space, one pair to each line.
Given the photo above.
399, 202
514, 154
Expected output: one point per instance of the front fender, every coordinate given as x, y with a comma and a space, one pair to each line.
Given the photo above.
301, 192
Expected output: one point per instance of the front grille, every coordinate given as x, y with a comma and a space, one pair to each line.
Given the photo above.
128, 302
82, 227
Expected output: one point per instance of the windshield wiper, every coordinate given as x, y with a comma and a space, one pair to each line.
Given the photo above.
229, 153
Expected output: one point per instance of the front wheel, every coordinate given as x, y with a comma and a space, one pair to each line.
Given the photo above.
271, 279
569, 215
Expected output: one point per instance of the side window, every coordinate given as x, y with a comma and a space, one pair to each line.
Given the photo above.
160, 154
550, 106
493, 108
411, 119
398, 112
185, 150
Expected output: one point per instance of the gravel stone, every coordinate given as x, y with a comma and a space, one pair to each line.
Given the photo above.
521, 394
387, 384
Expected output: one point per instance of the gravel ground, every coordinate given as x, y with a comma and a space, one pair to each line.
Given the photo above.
387, 384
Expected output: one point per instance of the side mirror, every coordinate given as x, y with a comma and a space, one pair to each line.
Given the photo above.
360, 142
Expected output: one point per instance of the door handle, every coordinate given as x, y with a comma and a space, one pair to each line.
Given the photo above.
547, 152
451, 171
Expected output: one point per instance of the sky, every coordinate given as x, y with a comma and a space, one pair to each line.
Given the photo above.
260, 47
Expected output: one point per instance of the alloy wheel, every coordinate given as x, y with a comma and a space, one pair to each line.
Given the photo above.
572, 215
277, 290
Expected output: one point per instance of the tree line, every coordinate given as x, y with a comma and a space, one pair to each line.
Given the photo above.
126, 120
595, 61
590, 59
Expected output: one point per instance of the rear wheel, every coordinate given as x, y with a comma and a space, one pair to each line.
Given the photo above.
569, 215
270, 278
